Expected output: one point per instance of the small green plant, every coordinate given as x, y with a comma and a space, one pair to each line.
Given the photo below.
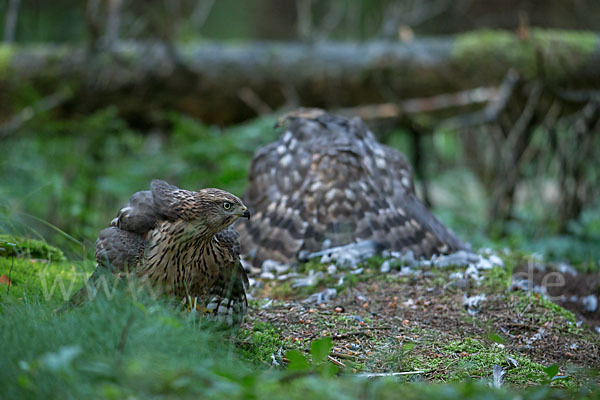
552, 374
319, 354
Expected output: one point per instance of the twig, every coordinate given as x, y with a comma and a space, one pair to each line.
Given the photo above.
336, 362
251, 99
425, 104
92, 24
577, 96
349, 334
525, 309
492, 110
342, 355
331, 20
113, 22
304, 19
201, 12
12, 264
523, 122
121, 346
410, 14
516, 152
365, 332
46, 104
371, 375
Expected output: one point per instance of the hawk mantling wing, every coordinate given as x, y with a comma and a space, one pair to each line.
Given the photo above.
182, 243
327, 182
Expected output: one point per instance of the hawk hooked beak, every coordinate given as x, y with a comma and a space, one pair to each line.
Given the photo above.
245, 213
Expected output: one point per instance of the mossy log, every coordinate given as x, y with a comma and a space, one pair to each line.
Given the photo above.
225, 83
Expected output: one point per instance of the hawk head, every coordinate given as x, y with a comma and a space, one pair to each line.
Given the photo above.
218, 209
210, 209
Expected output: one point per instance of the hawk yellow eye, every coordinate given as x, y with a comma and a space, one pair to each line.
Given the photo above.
227, 205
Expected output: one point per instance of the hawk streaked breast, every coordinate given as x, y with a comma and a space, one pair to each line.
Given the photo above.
327, 182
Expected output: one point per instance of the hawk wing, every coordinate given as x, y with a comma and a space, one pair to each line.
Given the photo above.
328, 182
123, 243
121, 246
146, 208
118, 249
210, 272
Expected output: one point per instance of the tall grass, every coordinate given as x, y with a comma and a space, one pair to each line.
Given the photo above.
112, 349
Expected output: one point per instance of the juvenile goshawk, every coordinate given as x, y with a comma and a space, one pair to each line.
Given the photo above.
327, 182
182, 244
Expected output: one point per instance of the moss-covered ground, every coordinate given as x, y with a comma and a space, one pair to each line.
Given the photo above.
377, 324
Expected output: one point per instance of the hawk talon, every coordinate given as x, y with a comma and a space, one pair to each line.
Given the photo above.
193, 306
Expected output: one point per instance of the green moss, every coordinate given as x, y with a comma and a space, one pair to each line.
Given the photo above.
313, 265
38, 281
260, 343
472, 359
497, 279
475, 48
581, 42
11, 246
373, 263
560, 51
556, 309
6, 55
529, 304
282, 290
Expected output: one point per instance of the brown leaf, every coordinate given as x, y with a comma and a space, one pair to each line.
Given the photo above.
4, 279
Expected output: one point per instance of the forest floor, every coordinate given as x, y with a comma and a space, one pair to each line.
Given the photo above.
438, 325
389, 323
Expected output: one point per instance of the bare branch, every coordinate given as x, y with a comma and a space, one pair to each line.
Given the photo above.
113, 21
304, 19
28, 113
92, 10
10, 21
425, 104
252, 100
332, 19
202, 12
410, 13
492, 111
371, 375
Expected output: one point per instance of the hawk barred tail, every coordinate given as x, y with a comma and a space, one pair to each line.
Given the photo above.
179, 242
328, 182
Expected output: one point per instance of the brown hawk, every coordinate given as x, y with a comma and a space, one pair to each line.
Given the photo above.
180, 242
327, 182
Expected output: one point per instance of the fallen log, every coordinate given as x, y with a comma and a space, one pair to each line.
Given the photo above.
226, 83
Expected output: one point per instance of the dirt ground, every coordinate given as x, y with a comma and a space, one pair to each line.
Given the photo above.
389, 323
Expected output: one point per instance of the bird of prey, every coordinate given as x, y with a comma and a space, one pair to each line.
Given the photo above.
327, 182
180, 242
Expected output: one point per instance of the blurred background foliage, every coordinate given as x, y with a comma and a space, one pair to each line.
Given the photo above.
64, 173
69, 21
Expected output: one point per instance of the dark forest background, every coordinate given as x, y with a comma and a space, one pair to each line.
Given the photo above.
496, 104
